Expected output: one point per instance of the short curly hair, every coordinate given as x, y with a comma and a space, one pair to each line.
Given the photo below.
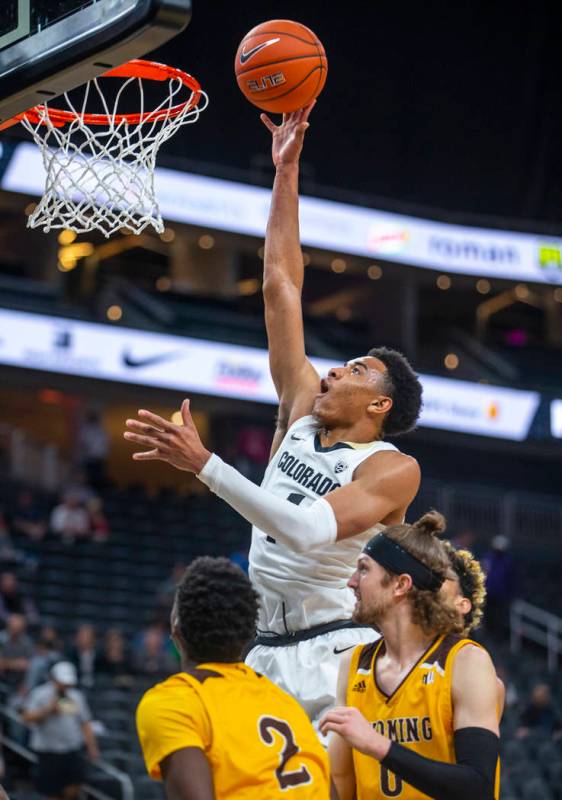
405, 389
472, 583
217, 609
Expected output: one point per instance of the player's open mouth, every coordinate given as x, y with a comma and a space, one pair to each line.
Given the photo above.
324, 386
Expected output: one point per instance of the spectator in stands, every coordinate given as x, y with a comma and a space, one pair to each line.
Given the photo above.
48, 651
511, 693
253, 446
99, 525
70, 520
167, 589
28, 517
85, 655
9, 556
540, 714
16, 650
79, 486
114, 660
240, 558
93, 444
499, 567
465, 540
13, 600
60, 718
152, 656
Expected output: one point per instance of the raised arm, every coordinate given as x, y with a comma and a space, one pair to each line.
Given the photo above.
384, 484
295, 379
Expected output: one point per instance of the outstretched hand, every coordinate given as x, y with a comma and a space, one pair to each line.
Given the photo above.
178, 445
352, 726
289, 136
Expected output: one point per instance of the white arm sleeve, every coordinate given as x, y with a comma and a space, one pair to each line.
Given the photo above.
299, 529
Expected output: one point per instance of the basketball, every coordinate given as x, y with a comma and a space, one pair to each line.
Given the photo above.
280, 66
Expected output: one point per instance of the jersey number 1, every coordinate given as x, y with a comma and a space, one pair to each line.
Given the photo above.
292, 498
285, 778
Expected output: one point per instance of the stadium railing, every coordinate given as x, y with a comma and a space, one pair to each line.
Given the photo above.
36, 463
11, 733
540, 626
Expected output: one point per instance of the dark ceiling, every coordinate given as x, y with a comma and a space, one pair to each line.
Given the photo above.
450, 106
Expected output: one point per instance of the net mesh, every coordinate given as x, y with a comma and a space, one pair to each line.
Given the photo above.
101, 177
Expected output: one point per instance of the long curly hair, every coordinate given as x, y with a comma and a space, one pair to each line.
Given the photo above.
472, 584
429, 609
217, 610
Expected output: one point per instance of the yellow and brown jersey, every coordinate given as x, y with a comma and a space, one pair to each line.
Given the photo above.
257, 739
418, 714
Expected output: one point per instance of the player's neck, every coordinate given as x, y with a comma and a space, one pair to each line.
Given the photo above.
404, 642
359, 433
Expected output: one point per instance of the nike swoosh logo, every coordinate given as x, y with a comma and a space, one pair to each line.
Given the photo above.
244, 57
148, 361
296, 438
338, 650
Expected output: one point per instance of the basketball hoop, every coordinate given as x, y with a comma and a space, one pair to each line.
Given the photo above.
100, 166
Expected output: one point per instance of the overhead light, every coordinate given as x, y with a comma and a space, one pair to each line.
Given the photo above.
249, 286
338, 265
163, 283
177, 418
66, 237
30, 208
206, 242
114, 313
451, 361
168, 235
443, 282
483, 286
70, 253
557, 294
305, 259
261, 252
374, 272
521, 291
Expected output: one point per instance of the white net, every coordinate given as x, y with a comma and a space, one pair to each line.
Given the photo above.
101, 177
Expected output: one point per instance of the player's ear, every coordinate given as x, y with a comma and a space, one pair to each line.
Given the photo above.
465, 606
381, 404
403, 585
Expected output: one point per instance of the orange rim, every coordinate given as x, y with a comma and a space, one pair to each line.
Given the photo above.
150, 70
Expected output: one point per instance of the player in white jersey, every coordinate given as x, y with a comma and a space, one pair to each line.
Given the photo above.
332, 480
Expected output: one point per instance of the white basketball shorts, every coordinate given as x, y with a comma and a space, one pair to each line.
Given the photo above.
309, 669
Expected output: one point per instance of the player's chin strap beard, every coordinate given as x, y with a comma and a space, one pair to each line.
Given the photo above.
396, 559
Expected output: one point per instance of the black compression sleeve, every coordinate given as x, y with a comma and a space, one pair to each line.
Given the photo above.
477, 751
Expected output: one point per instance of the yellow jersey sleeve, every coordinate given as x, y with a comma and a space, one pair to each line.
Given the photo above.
171, 716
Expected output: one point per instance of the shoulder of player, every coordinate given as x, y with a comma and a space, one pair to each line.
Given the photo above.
166, 693
470, 663
346, 659
389, 464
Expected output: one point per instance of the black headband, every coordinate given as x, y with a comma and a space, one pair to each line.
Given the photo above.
392, 556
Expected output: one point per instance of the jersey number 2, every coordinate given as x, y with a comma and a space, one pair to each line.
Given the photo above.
285, 778
388, 778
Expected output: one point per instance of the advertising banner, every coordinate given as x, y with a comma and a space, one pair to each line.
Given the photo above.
127, 355
340, 227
